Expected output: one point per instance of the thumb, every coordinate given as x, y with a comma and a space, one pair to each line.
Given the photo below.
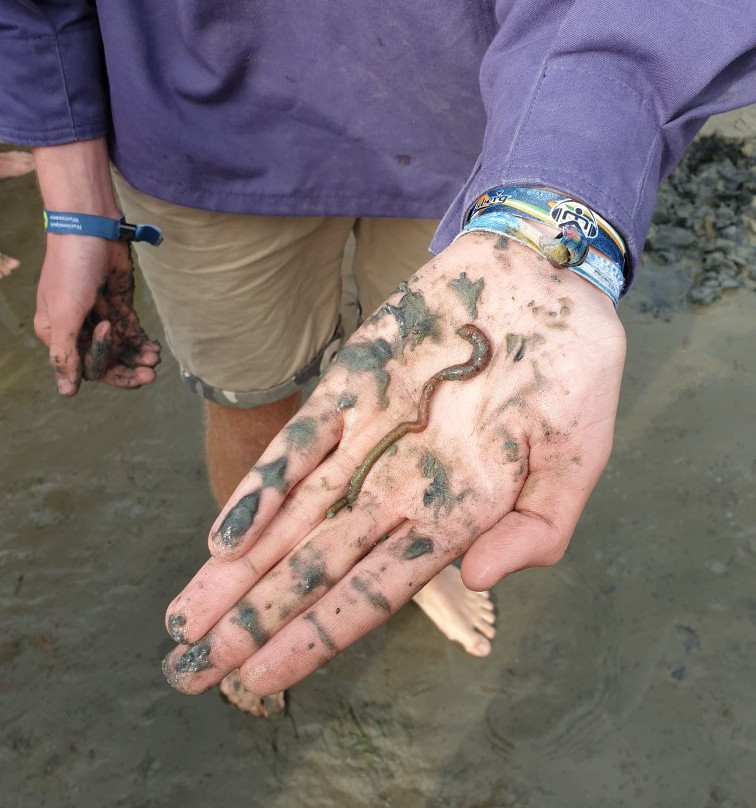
538, 529
64, 354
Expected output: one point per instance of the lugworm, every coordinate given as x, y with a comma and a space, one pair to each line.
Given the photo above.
478, 361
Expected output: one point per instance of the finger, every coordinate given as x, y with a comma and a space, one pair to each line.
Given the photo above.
64, 353
97, 356
128, 378
379, 586
212, 592
286, 591
149, 355
293, 454
226, 580
539, 528
298, 506
135, 352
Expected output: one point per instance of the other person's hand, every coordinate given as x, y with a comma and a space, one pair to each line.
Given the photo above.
85, 315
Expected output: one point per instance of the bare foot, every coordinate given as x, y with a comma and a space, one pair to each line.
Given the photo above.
234, 692
15, 164
7, 264
460, 614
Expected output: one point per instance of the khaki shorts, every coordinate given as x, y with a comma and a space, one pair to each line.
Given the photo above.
251, 304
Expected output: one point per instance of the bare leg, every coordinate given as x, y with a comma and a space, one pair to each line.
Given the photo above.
234, 440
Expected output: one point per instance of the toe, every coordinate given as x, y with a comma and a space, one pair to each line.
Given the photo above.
477, 646
486, 629
487, 616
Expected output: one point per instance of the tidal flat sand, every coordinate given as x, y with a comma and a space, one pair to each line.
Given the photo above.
621, 677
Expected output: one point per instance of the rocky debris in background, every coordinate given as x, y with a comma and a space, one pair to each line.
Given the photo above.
703, 237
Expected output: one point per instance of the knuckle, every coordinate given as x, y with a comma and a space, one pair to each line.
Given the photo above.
41, 327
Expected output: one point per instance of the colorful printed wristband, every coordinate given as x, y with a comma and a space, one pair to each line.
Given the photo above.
85, 224
587, 244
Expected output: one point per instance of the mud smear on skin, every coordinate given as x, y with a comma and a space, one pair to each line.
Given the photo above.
517, 345
369, 357
346, 402
511, 446
96, 359
238, 520
415, 320
308, 569
553, 316
413, 546
438, 494
323, 635
302, 433
520, 400
241, 517
307, 573
373, 597
248, 618
176, 626
468, 292
196, 658
274, 474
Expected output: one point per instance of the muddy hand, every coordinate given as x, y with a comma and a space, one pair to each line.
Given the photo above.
85, 315
496, 466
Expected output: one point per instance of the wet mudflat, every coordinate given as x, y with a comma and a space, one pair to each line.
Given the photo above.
622, 677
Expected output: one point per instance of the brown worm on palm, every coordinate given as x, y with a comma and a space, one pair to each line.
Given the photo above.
478, 361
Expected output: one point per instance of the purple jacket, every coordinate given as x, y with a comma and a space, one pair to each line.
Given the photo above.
389, 108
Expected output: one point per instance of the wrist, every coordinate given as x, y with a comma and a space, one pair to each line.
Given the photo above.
521, 276
76, 177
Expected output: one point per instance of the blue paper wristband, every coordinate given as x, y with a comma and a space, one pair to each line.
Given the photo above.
85, 224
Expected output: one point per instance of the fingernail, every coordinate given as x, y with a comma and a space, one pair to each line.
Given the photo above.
66, 387
176, 625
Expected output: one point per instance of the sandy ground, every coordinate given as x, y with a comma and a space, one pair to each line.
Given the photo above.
622, 677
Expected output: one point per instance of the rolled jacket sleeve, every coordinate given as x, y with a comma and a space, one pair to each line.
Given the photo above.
54, 87
599, 100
